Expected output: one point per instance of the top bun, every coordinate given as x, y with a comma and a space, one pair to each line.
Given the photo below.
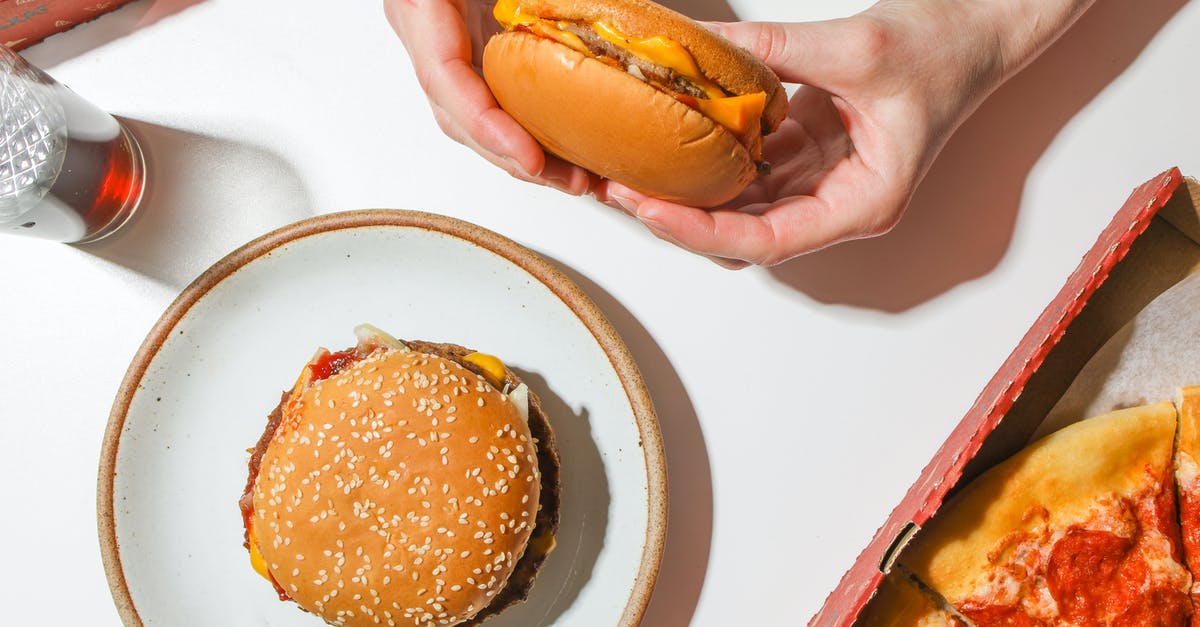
401, 490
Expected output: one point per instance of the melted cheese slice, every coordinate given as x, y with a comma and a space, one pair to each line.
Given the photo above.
494, 370
661, 51
740, 114
256, 559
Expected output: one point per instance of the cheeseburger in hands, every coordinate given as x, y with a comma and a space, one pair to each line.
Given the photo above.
403, 483
636, 93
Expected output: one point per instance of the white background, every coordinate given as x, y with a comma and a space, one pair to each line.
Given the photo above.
797, 404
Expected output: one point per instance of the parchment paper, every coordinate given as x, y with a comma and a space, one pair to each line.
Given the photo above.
1145, 362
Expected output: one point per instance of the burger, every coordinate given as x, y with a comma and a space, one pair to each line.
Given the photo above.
403, 483
636, 93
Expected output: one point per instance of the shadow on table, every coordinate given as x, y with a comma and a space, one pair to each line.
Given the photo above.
960, 222
204, 197
103, 30
689, 476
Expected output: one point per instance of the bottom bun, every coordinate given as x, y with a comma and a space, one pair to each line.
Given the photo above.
613, 123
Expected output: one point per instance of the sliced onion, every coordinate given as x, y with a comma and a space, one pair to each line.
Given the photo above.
520, 397
370, 337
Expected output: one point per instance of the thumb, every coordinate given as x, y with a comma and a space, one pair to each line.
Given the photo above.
811, 53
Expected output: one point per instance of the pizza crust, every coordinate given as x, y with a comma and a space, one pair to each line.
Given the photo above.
1068, 478
898, 603
1189, 430
1187, 482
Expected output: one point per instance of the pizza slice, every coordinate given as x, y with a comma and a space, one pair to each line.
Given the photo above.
898, 603
1078, 529
1187, 481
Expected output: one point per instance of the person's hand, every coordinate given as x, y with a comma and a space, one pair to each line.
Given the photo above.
444, 39
881, 93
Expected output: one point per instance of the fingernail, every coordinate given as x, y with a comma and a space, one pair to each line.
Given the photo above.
628, 205
516, 165
558, 183
650, 222
658, 229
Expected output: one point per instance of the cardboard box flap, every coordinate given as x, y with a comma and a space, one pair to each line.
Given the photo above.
1034, 376
1181, 211
1160, 258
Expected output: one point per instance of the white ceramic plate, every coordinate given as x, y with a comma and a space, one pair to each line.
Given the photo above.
197, 394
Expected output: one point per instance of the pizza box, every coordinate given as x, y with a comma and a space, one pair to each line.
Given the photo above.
1151, 245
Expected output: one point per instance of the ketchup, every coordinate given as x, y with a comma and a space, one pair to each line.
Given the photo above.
323, 367
330, 364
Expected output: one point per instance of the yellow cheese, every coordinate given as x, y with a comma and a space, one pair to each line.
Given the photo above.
662, 51
739, 114
550, 30
256, 559
508, 13
493, 369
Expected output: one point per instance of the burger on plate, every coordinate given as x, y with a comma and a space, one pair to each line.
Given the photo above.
403, 483
636, 93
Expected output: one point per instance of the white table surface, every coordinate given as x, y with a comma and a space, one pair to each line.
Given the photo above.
797, 404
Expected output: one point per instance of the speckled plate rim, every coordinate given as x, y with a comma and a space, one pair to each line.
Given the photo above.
561, 286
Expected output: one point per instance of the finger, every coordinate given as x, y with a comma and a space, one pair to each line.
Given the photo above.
619, 197
453, 129
722, 233
788, 228
666, 236
407, 15
628, 200
481, 26
812, 53
568, 177
729, 264
435, 35
559, 174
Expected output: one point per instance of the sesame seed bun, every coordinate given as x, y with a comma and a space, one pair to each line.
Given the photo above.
590, 111
404, 489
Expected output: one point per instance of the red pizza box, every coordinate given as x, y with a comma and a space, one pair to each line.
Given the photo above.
1152, 244
26, 22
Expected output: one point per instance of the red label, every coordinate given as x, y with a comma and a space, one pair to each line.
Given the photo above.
26, 22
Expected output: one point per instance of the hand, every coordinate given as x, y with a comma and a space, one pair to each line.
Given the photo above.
444, 39
881, 93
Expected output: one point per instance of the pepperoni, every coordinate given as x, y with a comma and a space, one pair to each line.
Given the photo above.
1086, 568
1097, 578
